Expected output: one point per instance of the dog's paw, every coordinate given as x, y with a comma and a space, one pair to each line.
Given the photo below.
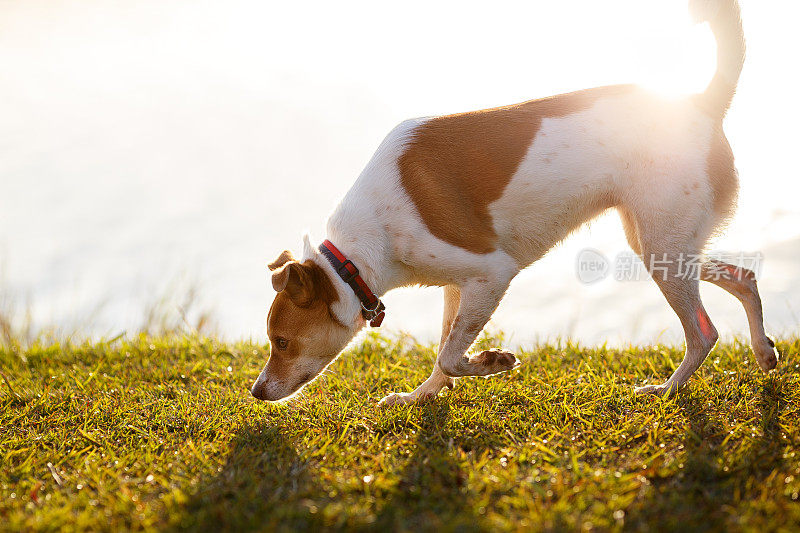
405, 398
766, 354
494, 361
656, 390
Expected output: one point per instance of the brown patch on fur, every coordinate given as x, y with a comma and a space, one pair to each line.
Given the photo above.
722, 175
300, 309
282, 259
303, 283
456, 165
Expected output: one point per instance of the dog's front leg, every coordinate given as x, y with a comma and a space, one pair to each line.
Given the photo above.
428, 390
437, 380
475, 302
479, 299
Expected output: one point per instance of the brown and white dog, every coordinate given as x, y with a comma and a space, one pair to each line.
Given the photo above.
466, 201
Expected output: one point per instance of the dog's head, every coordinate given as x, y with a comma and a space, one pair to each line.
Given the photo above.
304, 332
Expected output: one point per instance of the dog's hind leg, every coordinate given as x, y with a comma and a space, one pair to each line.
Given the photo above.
671, 239
437, 380
683, 296
741, 283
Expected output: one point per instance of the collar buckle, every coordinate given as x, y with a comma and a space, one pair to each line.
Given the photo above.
375, 315
346, 274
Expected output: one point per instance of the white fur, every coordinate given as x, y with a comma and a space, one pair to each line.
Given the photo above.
628, 151
607, 149
615, 153
646, 156
378, 228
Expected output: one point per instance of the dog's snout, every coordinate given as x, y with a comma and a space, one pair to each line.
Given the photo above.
258, 392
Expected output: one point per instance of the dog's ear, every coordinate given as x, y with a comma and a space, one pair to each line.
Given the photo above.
282, 259
297, 280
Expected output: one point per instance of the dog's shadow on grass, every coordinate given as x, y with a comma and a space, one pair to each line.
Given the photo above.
265, 484
432, 491
714, 474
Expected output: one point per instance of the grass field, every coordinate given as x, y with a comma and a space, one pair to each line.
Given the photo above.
161, 433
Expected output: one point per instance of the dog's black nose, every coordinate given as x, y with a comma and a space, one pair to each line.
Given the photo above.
258, 392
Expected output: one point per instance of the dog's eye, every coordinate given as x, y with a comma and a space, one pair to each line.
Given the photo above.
281, 343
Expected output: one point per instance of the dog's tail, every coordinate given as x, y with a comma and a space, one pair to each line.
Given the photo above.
725, 19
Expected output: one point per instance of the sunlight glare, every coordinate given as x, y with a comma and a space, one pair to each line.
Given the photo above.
683, 53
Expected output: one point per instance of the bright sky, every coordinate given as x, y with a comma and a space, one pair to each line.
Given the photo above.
142, 139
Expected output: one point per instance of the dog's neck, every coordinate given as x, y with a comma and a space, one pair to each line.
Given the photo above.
367, 247
361, 237
360, 228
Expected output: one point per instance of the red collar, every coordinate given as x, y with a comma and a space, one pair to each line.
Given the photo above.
372, 309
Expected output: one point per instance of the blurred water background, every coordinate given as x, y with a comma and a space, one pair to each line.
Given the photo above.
153, 148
